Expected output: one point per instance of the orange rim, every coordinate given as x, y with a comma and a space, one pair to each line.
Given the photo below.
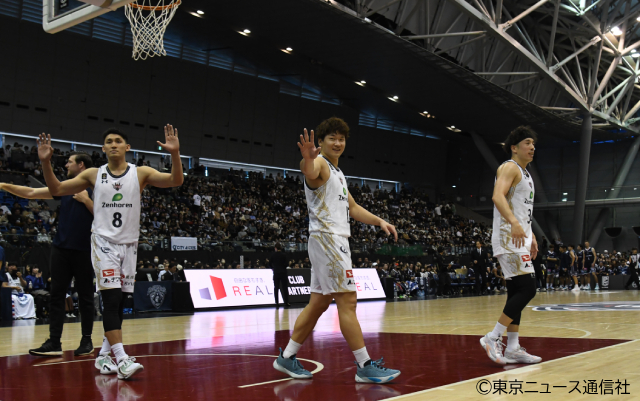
155, 8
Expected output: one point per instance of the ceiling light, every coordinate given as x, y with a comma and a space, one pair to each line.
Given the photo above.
395, 98
246, 31
200, 12
616, 31
454, 129
289, 49
565, 193
425, 112
363, 82
638, 19
635, 54
453, 186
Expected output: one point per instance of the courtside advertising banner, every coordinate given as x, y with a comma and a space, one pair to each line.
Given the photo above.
245, 287
184, 244
368, 284
231, 287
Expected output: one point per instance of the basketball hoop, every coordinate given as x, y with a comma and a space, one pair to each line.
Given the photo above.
148, 23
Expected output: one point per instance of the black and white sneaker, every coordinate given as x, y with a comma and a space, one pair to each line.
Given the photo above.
49, 348
85, 348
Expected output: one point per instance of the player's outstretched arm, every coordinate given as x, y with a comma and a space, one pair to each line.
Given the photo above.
26, 192
56, 188
165, 180
364, 216
505, 178
309, 165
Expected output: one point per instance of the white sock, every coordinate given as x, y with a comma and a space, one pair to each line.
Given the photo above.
106, 347
292, 349
362, 356
497, 331
118, 350
512, 341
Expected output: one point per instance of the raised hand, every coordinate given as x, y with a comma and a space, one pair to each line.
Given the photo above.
171, 144
45, 151
307, 146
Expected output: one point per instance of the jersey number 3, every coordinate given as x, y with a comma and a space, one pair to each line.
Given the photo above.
529, 221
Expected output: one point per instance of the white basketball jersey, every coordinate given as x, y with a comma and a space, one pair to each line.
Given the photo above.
329, 204
116, 205
520, 199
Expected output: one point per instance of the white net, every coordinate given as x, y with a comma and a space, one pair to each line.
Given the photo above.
149, 20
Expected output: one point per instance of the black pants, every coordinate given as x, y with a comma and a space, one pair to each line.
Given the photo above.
479, 282
540, 279
444, 284
280, 283
632, 278
65, 264
520, 290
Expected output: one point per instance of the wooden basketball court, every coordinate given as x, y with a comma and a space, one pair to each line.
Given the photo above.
591, 340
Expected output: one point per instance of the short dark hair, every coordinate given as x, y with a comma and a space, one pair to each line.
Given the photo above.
278, 246
84, 158
518, 135
331, 126
634, 249
114, 130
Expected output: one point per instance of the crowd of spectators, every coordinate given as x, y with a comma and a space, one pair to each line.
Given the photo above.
239, 211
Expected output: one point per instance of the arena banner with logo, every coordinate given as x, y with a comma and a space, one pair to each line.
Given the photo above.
233, 287
149, 296
298, 281
184, 244
245, 287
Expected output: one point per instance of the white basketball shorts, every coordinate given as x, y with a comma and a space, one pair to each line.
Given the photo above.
330, 258
515, 264
113, 264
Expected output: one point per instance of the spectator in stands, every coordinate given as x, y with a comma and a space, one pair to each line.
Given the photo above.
23, 304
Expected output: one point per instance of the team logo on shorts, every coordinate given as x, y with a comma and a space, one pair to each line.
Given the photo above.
108, 273
342, 249
526, 258
105, 249
117, 197
349, 273
117, 186
104, 178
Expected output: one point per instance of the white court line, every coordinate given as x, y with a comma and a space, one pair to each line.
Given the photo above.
517, 370
319, 366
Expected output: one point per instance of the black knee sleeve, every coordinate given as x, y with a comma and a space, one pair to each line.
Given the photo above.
111, 317
521, 290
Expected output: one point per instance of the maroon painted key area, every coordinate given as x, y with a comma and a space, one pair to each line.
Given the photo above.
217, 368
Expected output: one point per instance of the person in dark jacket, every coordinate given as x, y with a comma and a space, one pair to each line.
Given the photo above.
479, 256
278, 262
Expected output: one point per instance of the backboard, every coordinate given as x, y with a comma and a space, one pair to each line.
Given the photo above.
58, 15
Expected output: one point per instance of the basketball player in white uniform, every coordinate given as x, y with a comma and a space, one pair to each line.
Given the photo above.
514, 245
116, 228
330, 206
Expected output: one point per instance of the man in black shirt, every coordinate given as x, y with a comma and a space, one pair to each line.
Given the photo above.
444, 281
278, 263
479, 257
565, 264
70, 257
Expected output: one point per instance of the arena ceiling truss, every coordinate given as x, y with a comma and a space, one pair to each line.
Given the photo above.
566, 56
